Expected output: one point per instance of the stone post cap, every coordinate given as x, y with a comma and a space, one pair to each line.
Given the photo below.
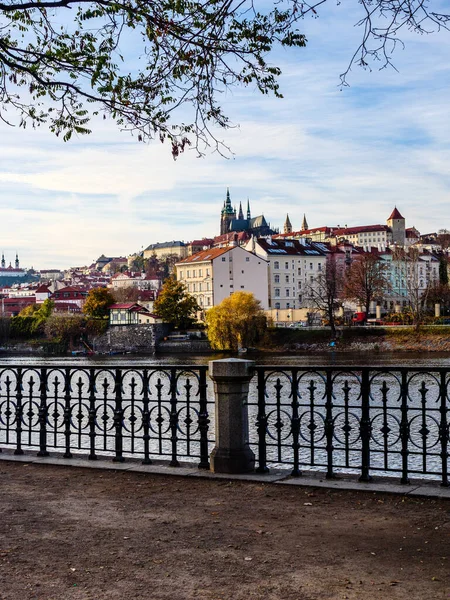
230, 367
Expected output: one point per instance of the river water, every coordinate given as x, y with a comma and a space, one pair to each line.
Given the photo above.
400, 359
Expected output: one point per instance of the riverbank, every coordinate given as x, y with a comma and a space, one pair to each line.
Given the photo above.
370, 340
352, 340
82, 533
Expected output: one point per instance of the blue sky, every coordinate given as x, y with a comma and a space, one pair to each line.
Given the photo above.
340, 156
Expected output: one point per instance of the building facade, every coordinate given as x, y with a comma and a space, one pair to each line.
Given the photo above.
214, 274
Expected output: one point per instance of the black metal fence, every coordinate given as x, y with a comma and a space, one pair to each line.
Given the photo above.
352, 419
130, 411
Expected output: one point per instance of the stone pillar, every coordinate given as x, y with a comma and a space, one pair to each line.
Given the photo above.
231, 377
378, 311
437, 310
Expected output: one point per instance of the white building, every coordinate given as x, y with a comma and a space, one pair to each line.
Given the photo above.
214, 274
294, 267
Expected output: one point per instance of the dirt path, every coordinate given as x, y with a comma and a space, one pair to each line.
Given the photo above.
70, 533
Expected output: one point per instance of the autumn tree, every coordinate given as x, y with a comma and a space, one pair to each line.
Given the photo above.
175, 305
98, 302
366, 280
65, 327
63, 62
127, 294
326, 291
439, 293
237, 322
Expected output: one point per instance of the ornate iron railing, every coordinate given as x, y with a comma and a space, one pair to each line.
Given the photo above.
127, 411
352, 419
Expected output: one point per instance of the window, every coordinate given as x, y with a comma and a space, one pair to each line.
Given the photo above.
193, 287
311, 279
277, 292
276, 265
311, 266
199, 287
299, 271
207, 286
242, 287
277, 279
209, 301
207, 272
247, 259
286, 265
288, 305
288, 291
188, 274
223, 259
319, 267
287, 279
277, 305
200, 273
194, 273
299, 285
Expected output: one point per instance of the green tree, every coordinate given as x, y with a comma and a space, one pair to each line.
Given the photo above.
41, 315
237, 322
174, 305
64, 61
98, 302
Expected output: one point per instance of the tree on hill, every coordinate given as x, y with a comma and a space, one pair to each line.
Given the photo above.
366, 280
63, 62
174, 304
98, 302
237, 322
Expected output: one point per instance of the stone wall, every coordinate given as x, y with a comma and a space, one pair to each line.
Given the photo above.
188, 346
131, 338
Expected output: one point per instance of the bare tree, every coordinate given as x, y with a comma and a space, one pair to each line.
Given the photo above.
367, 280
326, 291
416, 283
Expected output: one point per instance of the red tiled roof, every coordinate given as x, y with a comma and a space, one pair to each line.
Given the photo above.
354, 230
133, 306
42, 289
206, 255
395, 214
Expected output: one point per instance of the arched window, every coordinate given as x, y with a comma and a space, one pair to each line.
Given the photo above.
276, 265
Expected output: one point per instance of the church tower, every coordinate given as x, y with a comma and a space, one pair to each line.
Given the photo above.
304, 223
287, 225
17, 261
227, 215
397, 225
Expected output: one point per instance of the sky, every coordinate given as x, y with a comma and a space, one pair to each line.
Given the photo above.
340, 156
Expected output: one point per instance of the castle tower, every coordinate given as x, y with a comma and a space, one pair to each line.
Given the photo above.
3, 260
227, 215
287, 225
304, 223
17, 261
397, 225
248, 209
241, 214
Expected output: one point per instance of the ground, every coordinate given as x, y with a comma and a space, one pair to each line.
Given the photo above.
70, 533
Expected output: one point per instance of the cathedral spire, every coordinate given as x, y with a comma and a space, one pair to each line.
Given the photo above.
304, 223
248, 209
287, 225
241, 214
